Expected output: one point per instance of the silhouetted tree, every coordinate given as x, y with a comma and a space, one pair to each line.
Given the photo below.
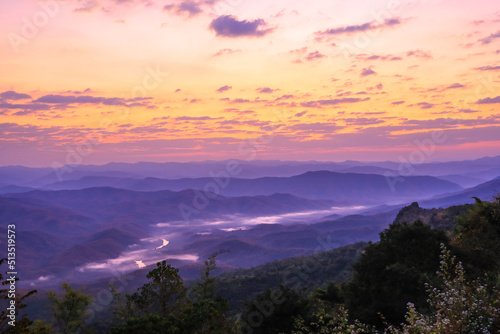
205, 312
393, 271
478, 239
22, 324
162, 294
274, 311
69, 309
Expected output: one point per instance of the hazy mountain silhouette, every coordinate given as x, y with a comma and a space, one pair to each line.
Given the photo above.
485, 191
483, 169
347, 187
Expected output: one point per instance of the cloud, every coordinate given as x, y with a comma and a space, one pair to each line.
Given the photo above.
419, 54
319, 103
226, 51
285, 97
230, 26
397, 102
266, 90
78, 92
298, 51
455, 85
86, 7
27, 106
367, 71
316, 128
487, 68
363, 121
300, 114
190, 8
240, 100
224, 89
240, 112
490, 38
201, 118
378, 57
50, 135
468, 111
488, 100
451, 122
11, 95
350, 29
314, 55
86, 99
425, 105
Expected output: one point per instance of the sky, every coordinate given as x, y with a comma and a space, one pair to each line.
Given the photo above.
91, 82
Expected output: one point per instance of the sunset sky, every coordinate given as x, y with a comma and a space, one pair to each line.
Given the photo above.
144, 80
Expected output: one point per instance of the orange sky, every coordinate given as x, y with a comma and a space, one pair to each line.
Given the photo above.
140, 80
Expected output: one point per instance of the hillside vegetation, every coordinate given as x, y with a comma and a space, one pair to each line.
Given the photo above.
420, 277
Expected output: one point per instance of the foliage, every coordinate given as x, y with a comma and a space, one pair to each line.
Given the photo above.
392, 272
205, 312
41, 327
478, 238
304, 272
162, 306
69, 309
324, 322
462, 307
274, 311
148, 323
162, 294
407, 283
332, 294
21, 325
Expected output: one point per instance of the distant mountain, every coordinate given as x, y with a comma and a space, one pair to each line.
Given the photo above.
346, 187
368, 170
119, 205
14, 189
39, 215
20, 175
98, 224
37, 177
484, 168
74, 227
463, 180
485, 191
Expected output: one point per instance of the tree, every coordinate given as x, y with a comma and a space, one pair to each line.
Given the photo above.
328, 322
162, 294
274, 311
478, 239
69, 309
392, 272
205, 312
41, 327
461, 306
155, 307
6, 316
149, 323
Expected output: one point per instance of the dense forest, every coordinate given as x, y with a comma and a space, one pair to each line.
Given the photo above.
430, 272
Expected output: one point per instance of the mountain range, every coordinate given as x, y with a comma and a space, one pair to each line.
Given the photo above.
99, 219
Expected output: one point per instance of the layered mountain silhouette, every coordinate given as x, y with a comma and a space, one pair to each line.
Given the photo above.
98, 217
347, 187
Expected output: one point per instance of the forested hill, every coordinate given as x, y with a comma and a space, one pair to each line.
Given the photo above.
417, 274
299, 273
440, 218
